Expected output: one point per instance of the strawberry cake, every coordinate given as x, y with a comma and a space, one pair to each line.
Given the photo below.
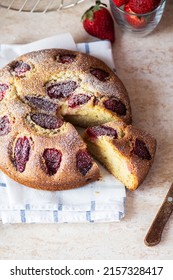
42, 95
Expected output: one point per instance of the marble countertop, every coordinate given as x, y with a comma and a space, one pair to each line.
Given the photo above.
145, 67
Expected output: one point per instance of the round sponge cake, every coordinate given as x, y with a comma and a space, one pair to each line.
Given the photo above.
40, 93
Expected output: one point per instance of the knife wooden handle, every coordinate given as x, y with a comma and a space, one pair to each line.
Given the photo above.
154, 234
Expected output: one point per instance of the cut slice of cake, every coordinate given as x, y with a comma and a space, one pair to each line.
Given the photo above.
126, 151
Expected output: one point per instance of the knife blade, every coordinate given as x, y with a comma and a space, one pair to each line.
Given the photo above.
154, 234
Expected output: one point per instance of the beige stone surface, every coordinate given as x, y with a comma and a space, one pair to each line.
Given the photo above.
145, 65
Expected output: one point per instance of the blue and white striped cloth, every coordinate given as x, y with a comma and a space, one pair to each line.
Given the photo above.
101, 201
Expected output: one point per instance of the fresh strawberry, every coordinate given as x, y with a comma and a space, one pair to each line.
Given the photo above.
98, 22
133, 19
119, 3
143, 6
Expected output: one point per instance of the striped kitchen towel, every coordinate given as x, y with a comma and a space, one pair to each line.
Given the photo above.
101, 201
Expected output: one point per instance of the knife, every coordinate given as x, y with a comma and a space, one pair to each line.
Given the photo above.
154, 234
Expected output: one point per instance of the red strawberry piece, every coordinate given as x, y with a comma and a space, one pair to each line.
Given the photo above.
3, 89
141, 150
61, 89
21, 153
66, 58
100, 74
5, 126
102, 130
41, 103
83, 162
133, 19
119, 3
76, 100
115, 105
52, 159
20, 68
98, 22
47, 121
143, 6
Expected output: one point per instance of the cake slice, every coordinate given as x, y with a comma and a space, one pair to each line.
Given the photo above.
126, 151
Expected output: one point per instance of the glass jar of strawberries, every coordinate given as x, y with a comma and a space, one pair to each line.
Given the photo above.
138, 16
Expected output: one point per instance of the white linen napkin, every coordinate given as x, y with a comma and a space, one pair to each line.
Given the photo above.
101, 201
